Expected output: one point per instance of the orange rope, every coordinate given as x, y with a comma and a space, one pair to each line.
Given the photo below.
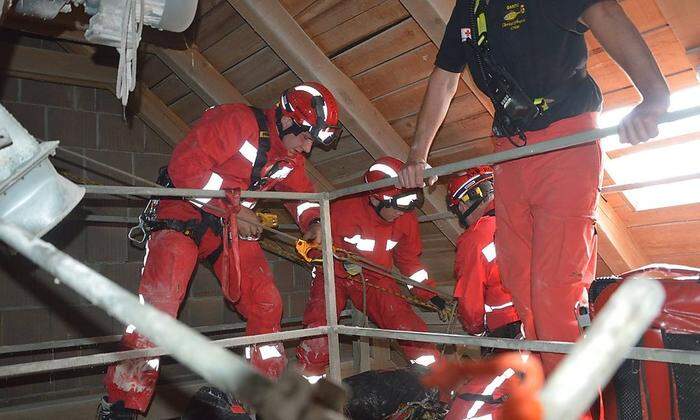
522, 390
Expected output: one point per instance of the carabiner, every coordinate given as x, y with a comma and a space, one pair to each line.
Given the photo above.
303, 248
138, 230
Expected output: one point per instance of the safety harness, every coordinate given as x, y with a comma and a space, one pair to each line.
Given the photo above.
350, 259
195, 229
515, 110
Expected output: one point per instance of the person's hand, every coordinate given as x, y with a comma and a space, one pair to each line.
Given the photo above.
445, 311
313, 234
249, 225
411, 175
642, 123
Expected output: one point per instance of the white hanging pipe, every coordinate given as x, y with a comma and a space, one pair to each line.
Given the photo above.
217, 365
574, 385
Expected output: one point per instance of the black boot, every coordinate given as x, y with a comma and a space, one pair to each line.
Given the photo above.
114, 411
214, 404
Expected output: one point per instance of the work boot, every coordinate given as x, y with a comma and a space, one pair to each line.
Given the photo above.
114, 411
214, 404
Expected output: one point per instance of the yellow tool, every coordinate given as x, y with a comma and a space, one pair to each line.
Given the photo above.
270, 220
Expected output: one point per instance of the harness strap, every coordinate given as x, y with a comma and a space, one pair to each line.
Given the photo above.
488, 399
192, 228
263, 148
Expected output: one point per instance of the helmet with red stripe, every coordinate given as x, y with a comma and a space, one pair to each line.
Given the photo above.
313, 109
400, 199
472, 188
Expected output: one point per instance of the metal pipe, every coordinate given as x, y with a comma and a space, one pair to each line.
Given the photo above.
218, 366
56, 365
109, 167
517, 153
192, 192
329, 289
644, 184
574, 385
5, 141
637, 353
92, 341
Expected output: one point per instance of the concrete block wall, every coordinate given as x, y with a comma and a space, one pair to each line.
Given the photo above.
35, 309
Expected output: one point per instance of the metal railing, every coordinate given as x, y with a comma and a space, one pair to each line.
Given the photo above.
224, 369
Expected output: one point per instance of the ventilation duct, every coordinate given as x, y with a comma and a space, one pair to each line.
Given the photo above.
32, 194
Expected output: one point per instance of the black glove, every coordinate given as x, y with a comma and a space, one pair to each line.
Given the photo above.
438, 302
444, 310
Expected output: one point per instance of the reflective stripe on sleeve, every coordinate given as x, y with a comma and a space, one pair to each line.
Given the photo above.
214, 183
489, 390
301, 208
489, 252
360, 243
488, 308
426, 360
249, 152
420, 276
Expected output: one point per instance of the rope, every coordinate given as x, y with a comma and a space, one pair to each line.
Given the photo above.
274, 246
409, 299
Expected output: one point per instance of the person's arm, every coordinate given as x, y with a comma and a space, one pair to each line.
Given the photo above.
441, 89
469, 270
620, 38
406, 255
306, 214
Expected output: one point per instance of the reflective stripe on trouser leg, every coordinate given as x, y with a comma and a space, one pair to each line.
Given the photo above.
393, 313
171, 260
312, 353
261, 304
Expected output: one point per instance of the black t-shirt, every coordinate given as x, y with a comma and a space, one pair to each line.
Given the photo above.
539, 42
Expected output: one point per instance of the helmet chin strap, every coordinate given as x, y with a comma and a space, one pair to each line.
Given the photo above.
463, 215
294, 129
377, 207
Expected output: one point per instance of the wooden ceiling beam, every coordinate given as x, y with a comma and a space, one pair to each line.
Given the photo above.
615, 244
54, 66
282, 33
432, 16
199, 74
682, 16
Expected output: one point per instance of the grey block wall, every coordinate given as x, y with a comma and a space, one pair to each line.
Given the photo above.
33, 308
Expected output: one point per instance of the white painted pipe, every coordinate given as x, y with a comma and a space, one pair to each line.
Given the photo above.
574, 385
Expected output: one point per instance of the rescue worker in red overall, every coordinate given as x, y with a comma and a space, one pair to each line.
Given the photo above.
530, 58
485, 307
382, 227
232, 147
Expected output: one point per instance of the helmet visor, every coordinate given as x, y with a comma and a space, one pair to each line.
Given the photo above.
406, 201
326, 135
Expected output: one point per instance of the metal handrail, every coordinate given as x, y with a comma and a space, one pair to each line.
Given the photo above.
517, 153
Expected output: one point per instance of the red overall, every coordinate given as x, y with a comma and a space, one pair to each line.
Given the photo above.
545, 231
480, 397
357, 228
484, 305
218, 153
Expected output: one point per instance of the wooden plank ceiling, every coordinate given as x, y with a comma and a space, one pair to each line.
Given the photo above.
383, 49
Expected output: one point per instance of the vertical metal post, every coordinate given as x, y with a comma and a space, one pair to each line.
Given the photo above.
329, 287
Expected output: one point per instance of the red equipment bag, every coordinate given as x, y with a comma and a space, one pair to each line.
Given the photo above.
642, 390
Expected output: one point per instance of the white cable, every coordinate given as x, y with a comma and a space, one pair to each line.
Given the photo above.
126, 74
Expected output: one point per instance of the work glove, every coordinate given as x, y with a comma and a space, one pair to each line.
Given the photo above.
443, 309
351, 268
